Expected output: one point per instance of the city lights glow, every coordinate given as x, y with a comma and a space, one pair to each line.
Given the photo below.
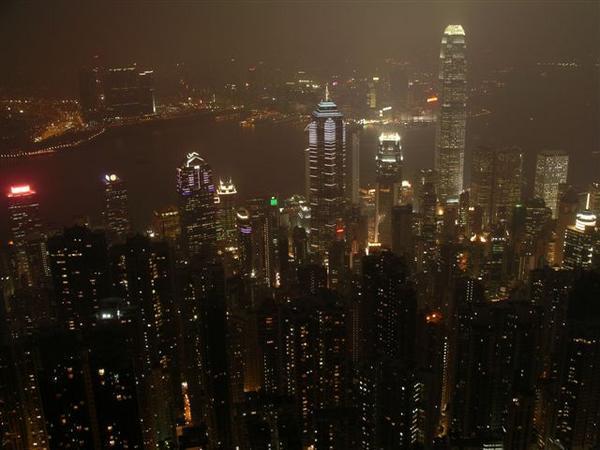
385, 137
369, 280
453, 30
20, 189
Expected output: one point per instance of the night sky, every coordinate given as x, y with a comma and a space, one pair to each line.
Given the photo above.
54, 38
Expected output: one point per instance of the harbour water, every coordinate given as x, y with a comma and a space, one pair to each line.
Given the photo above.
268, 159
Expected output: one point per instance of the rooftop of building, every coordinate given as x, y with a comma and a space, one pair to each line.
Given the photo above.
454, 30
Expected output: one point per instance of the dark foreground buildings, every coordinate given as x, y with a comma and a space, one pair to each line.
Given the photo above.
225, 329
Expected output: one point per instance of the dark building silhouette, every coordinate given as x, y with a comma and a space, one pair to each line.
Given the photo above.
306, 359
299, 245
578, 403
128, 92
312, 278
116, 208
205, 362
402, 231
493, 371
91, 93
80, 273
142, 275
388, 391
88, 385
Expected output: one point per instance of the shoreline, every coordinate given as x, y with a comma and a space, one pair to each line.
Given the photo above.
76, 138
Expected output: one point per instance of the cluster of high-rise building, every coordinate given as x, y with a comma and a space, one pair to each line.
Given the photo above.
422, 313
116, 93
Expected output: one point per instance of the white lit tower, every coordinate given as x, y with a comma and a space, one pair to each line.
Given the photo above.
197, 207
326, 173
452, 115
582, 241
551, 170
389, 182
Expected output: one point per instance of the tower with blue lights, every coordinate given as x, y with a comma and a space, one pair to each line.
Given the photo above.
325, 172
197, 206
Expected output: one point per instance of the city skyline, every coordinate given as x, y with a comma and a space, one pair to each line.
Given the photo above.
342, 225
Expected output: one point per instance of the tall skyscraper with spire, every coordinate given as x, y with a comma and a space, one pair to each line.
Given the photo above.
452, 115
197, 206
325, 172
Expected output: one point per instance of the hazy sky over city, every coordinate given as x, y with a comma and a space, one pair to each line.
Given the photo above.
57, 37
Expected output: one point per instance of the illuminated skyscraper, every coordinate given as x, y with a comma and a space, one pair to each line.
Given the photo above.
245, 244
550, 170
496, 181
227, 232
165, 224
452, 116
532, 231
389, 181
116, 211
581, 241
197, 206
326, 167
568, 205
264, 220
372, 90
295, 212
27, 236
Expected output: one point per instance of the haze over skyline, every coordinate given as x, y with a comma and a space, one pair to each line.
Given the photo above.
56, 38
